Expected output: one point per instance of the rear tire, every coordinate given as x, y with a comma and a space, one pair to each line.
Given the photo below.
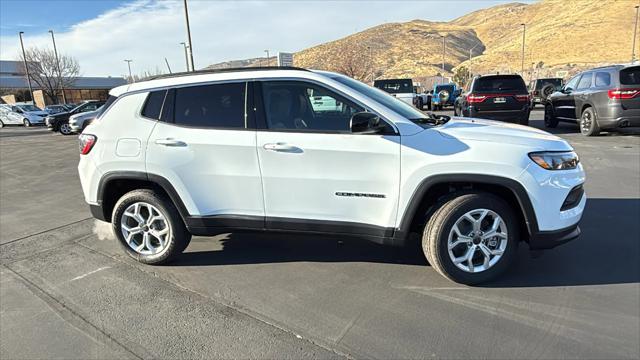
550, 119
26, 122
149, 241
489, 256
419, 104
1, 124
589, 123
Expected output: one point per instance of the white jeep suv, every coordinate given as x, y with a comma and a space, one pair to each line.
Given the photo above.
248, 149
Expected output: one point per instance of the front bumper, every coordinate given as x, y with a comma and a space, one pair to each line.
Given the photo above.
549, 239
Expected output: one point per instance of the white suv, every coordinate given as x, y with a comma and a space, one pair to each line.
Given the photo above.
245, 149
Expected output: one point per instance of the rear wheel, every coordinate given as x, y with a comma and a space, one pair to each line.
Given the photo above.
471, 238
1, 124
419, 104
550, 119
149, 227
589, 123
26, 122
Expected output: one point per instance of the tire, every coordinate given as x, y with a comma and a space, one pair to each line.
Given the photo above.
525, 120
589, 123
176, 238
65, 129
546, 91
419, 105
1, 124
550, 119
455, 110
26, 122
440, 227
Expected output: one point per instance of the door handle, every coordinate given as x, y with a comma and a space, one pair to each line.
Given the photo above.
171, 142
282, 147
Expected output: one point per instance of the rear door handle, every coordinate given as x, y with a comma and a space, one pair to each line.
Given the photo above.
282, 147
171, 142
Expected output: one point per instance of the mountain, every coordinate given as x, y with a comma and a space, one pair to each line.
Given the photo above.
560, 35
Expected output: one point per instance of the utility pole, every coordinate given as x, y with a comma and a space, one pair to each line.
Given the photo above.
268, 59
26, 68
168, 67
55, 51
186, 17
524, 31
186, 55
471, 50
371, 63
129, 65
444, 50
635, 30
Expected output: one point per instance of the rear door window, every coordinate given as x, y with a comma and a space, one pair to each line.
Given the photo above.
211, 106
630, 76
500, 84
585, 81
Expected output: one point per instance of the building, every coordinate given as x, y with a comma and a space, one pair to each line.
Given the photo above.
14, 86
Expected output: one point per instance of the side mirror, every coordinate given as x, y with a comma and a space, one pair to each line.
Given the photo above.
366, 123
567, 90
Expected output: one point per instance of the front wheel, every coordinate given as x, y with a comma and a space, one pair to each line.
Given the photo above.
65, 129
26, 122
550, 119
149, 227
589, 123
471, 238
1, 124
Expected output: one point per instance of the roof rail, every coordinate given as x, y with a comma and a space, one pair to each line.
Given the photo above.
224, 70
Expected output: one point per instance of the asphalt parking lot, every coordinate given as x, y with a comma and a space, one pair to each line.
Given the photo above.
68, 291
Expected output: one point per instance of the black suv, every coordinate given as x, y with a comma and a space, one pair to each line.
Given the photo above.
496, 97
605, 98
60, 121
540, 89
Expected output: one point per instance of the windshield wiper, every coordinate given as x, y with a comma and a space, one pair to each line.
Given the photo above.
432, 119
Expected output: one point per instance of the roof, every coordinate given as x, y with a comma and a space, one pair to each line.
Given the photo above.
84, 83
177, 79
11, 67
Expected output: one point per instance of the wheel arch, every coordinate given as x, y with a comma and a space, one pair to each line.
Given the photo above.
436, 188
115, 184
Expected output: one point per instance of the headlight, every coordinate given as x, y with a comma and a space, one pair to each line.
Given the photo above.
555, 160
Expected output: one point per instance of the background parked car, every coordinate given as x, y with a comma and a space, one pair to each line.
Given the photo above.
496, 97
55, 109
24, 114
444, 95
605, 98
79, 121
422, 98
399, 88
60, 122
540, 89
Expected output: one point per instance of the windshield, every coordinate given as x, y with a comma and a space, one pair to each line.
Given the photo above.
398, 106
395, 86
28, 108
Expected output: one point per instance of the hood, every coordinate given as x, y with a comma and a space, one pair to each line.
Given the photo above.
60, 115
84, 115
500, 132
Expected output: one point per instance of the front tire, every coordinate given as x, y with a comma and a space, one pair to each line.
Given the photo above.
550, 119
65, 129
1, 124
26, 122
149, 227
471, 238
589, 123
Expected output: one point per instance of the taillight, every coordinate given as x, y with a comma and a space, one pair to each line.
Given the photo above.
86, 143
522, 97
474, 99
623, 93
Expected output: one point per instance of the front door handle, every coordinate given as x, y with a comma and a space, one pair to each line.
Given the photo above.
171, 142
282, 147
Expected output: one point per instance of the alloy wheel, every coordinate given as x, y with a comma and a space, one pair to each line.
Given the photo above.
477, 240
145, 229
65, 129
586, 122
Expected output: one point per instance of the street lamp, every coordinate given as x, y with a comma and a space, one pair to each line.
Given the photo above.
186, 17
186, 55
55, 51
524, 31
128, 61
444, 50
268, 59
635, 30
26, 68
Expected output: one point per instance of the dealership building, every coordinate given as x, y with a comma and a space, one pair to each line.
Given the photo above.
15, 88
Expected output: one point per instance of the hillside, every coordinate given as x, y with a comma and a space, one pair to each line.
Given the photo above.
561, 35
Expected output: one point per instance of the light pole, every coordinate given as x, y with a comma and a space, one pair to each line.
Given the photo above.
635, 30
268, 59
128, 61
444, 50
186, 55
371, 63
186, 17
524, 31
55, 51
471, 50
26, 68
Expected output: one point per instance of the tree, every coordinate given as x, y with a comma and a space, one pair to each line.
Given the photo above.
461, 76
44, 72
355, 62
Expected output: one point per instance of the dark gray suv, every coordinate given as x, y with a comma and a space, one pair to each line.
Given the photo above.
605, 98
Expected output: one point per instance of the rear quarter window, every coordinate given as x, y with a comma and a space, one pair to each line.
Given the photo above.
106, 105
153, 104
602, 79
630, 76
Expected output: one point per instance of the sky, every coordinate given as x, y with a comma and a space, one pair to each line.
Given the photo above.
100, 34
